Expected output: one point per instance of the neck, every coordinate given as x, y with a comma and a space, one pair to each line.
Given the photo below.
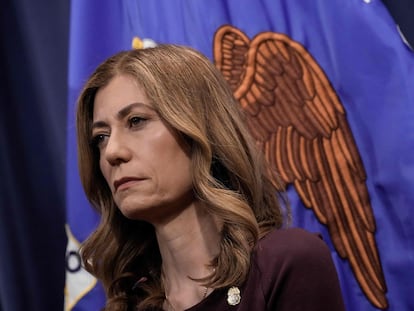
187, 244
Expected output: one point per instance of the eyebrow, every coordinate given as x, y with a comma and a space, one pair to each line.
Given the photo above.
127, 109
121, 114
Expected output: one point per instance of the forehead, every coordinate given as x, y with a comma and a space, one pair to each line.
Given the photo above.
122, 90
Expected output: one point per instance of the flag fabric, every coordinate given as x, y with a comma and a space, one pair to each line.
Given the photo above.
360, 51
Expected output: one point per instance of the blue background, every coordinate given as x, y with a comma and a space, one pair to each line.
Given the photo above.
355, 42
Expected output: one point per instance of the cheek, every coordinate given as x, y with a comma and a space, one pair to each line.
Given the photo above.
174, 168
180, 172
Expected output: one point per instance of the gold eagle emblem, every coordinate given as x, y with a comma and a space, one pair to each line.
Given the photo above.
299, 122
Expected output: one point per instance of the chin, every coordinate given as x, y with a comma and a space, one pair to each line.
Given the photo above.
136, 211
132, 214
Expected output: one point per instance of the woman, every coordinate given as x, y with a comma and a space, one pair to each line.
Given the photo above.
191, 215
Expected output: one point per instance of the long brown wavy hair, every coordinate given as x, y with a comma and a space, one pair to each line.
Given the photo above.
229, 174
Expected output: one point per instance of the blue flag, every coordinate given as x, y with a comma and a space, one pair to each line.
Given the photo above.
354, 182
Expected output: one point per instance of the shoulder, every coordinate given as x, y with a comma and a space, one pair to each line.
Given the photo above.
291, 244
290, 254
288, 261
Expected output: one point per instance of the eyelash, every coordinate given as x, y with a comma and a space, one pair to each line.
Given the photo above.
136, 121
133, 122
97, 140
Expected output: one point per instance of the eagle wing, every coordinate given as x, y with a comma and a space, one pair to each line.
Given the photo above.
297, 119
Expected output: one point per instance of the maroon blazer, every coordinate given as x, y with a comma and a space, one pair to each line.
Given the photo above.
291, 270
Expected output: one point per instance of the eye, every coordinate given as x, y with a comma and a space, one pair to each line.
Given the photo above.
98, 140
136, 121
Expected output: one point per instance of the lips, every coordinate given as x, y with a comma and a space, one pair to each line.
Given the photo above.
124, 181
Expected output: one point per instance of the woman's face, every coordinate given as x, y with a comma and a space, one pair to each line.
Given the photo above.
145, 163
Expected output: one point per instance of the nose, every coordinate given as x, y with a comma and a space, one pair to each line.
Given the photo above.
116, 150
